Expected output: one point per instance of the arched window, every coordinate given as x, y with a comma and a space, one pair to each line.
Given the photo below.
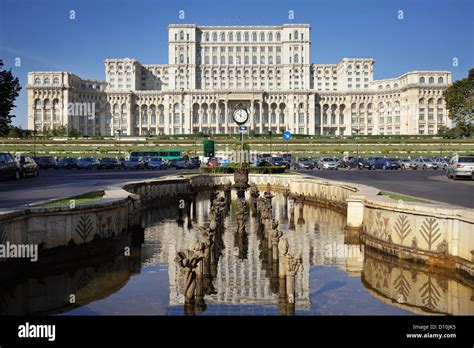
262, 36
254, 60
380, 87
440, 80
395, 85
278, 37
278, 60
254, 37
222, 60
47, 81
270, 36
246, 60
231, 37
181, 58
56, 81
206, 37
181, 35
262, 59
421, 101
238, 60
214, 37
37, 81
431, 80
422, 80
222, 36
246, 37
296, 35
296, 58
231, 60
239, 37
440, 101
214, 60
387, 87
206, 60
270, 60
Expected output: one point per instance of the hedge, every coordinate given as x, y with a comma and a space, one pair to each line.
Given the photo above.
253, 170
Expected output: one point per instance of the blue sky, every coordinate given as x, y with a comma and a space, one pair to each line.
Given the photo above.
432, 33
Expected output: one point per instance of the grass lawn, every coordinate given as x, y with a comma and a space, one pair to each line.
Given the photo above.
397, 197
80, 199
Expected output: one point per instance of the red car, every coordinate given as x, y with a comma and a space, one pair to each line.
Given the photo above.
213, 162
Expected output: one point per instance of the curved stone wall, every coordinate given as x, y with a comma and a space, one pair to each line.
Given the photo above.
435, 234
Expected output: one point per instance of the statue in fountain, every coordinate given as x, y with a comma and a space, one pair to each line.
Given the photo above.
283, 248
300, 200
268, 196
274, 239
188, 260
293, 264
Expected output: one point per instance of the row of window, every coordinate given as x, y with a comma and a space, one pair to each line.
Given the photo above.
238, 60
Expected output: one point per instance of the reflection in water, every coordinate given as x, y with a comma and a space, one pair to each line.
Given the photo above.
241, 276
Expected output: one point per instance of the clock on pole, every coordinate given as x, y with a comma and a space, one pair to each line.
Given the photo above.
240, 114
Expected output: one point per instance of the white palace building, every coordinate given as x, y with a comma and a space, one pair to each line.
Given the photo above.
211, 69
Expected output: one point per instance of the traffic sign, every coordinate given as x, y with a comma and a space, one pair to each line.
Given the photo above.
287, 136
243, 129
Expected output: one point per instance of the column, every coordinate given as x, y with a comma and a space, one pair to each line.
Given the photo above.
226, 108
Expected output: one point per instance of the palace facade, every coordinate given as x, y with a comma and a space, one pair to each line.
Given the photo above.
211, 69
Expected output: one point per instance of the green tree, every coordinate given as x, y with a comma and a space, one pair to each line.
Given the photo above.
60, 131
460, 103
74, 133
9, 90
14, 132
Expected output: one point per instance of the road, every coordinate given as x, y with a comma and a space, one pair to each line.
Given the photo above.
430, 184
50, 184
59, 183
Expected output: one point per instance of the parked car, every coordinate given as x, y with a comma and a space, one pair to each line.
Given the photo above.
67, 163
303, 163
425, 163
109, 163
134, 163
359, 163
156, 163
196, 162
262, 163
9, 167
328, 163
87, 163
28, 167
183, 163
213, 162
406, 163
279, 161
287, 157
385, 164
225, 162
265, 156
460, 166
46, 162
442, 163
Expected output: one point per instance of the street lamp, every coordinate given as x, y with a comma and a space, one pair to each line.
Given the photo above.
118, 133
34, 141
357, 130
270, 134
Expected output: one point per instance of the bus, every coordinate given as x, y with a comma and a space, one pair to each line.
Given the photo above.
165, 154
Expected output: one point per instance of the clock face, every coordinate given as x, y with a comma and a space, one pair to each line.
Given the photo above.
240, 116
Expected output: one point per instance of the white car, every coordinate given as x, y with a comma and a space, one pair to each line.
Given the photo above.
425, 163
460, 166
